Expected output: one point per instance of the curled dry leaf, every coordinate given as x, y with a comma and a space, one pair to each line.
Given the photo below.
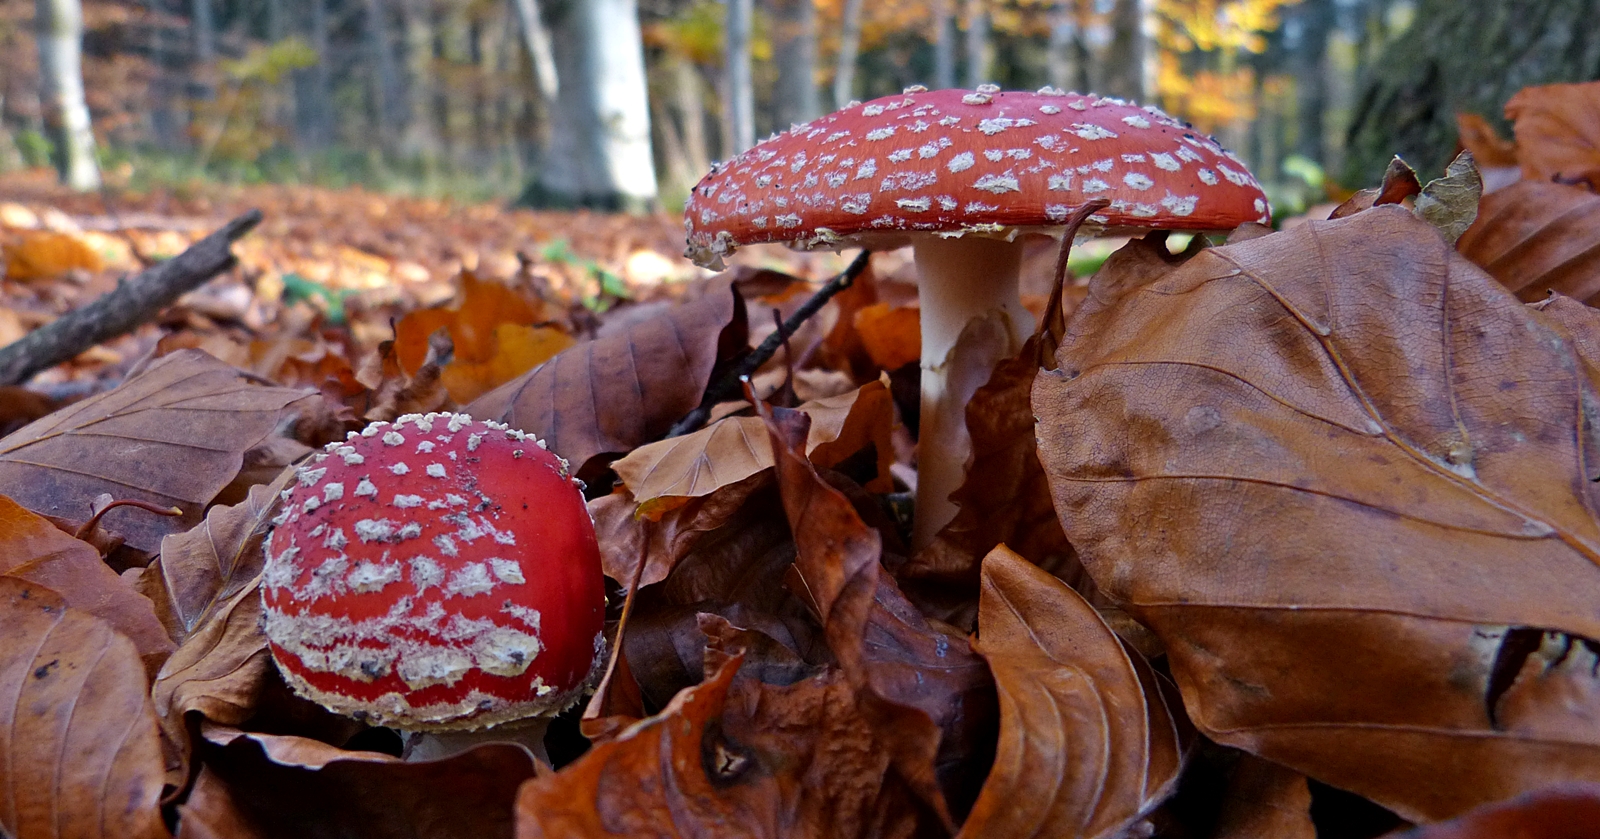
733, 757
34, 550
1563, 811
666, 474
1086, 747
173, 435
1265, 799
202, 568
612, 394
79, 752
285, 787
926, 693
1558, 132
1345, 477
1537, 238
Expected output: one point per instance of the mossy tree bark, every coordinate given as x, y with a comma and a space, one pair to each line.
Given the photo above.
1463, 56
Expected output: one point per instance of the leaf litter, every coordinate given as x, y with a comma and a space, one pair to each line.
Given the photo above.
1309, 511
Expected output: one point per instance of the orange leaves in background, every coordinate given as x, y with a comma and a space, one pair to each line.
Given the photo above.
496, 335
1558, 132
46, 255
892, 336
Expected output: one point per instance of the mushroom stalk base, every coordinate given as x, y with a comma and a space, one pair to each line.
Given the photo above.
437, 745
964, 285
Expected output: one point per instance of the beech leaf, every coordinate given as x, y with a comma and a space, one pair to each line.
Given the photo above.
1558, 132
612, 394
1086, 748
79, 751
174, 435
34, 550
1562, 811
1346, 478
1537, 238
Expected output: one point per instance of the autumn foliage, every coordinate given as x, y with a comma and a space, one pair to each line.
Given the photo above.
1292, 535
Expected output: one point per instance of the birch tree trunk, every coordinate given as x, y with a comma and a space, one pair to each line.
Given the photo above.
600, 153
980, 47
944, 45
795, 52
844, 76
536, 40
1068, 60
740, 109
60, 33
691, 102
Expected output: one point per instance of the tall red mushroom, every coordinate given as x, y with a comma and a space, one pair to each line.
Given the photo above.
436, 574
958, 175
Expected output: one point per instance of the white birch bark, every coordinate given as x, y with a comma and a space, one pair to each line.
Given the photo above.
795, 52
740, 109
60, 32
536, 39
844, 78
980, 48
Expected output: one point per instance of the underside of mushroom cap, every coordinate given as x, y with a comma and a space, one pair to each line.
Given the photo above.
961, 162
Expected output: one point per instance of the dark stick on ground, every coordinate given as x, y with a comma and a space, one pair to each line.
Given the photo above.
121, 310
727, 387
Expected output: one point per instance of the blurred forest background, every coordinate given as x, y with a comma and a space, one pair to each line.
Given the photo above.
625, 103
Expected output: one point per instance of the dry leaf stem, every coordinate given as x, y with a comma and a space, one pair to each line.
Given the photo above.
728, 385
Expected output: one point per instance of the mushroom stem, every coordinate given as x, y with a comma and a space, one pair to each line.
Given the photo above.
965, 284
436, 745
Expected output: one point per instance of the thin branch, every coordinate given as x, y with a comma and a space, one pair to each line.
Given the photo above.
727, 386
124, 308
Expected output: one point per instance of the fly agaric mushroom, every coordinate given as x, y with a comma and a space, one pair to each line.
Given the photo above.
439, 574
958, 175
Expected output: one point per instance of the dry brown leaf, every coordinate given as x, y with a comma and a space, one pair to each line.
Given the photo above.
34, 550
1563, 811
891, 336
1344, 476
79, 752
1480, 137
922, 688
1536, 238
610, 395
203, 567
174, 435
285, 787
665, 475
732, 757
1265, 800
1086, 749
45, 255
1558, 132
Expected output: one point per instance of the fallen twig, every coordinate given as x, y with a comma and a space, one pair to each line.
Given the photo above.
119, 311
727, 386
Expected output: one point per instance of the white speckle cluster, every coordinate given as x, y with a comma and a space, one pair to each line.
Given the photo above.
849, 173
411, 580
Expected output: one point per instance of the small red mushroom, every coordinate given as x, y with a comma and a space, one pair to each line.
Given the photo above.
436, 574
959, 175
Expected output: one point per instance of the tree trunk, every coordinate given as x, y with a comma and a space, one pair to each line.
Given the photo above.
387, 102
691, 102
980, 47
1124, 74
944, 44
419, 140
313, 89
844, 77
60, 32
600, 152
203, 24
739, 110
1310, 78
1068, 59
536, 40
795, 52
1463, 57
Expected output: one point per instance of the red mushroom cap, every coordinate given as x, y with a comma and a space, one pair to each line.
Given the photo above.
436, 574
955, 161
